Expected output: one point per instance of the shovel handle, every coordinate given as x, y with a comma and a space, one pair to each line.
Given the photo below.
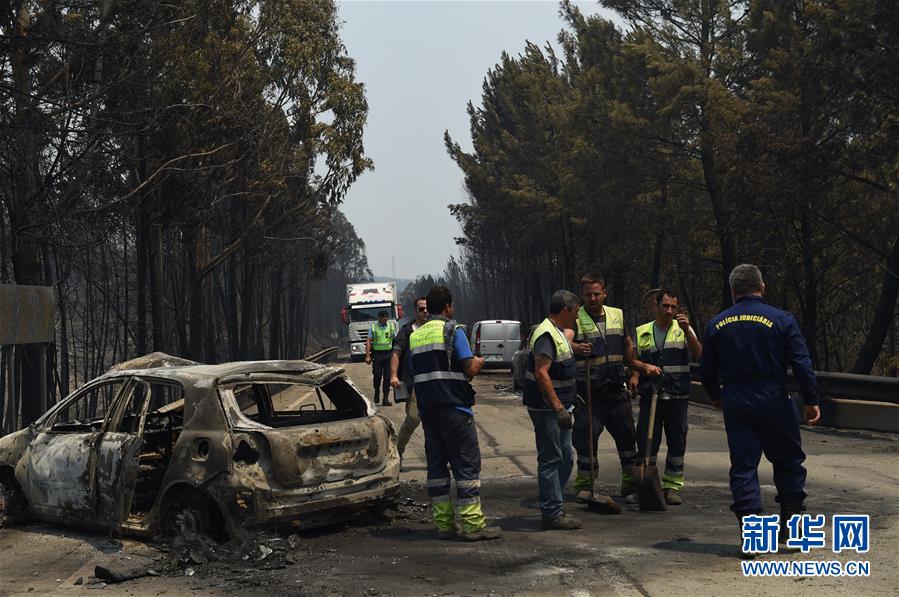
590, 426
651, 426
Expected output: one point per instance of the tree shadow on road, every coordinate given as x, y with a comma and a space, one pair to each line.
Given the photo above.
687, 545
527, 524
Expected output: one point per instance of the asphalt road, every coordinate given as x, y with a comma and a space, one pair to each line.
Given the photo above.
690, 549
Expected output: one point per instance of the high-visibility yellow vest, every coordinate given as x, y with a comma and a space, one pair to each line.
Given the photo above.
382, 337
561, 371
439, 379
672, 357
608, 346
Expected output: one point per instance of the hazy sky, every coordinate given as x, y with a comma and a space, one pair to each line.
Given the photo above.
421, 63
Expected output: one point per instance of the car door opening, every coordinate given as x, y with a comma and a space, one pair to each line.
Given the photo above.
163, 424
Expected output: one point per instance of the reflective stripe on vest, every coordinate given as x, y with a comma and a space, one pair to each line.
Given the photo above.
611, 344
439, 380
439, 375
381, 338
672, 357
561, 371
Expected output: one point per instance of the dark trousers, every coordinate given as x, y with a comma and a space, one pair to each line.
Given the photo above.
451, 441
380, 369
612, 412
671, 415
757, 425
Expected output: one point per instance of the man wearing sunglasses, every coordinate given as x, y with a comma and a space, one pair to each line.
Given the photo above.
401, 373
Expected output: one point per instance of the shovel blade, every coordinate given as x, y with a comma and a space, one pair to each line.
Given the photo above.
649, 488
597, 502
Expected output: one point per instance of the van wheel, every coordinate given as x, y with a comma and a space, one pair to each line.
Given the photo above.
13, 505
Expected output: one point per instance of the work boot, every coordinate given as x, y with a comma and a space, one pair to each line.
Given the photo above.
628, 485
483, 534
387, 402
673, 498
787, 509
447, 534
562, 522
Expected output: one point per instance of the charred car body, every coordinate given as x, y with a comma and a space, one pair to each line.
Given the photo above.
217, 447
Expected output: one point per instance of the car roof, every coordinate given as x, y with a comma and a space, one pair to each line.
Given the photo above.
164, 366
488, 321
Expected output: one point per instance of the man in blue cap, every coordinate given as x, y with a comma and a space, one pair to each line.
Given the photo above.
746, 351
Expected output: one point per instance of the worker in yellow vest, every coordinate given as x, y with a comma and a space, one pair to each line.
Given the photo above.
669, 343
549, 395
378, 348
602, 341
442, 365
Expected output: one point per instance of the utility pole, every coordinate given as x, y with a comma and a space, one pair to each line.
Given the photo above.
393, 267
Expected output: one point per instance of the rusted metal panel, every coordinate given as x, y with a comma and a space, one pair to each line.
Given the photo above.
117, 467
329, 452
153, 360
14, 446
27, 314
56, 474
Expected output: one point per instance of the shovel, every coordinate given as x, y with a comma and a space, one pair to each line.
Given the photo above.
646, 475
602, 504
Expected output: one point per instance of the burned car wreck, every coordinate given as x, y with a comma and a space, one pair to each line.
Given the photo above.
159, 442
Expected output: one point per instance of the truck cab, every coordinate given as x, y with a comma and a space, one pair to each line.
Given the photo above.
364, 302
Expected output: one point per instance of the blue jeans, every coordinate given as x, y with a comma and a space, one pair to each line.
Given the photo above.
554, 461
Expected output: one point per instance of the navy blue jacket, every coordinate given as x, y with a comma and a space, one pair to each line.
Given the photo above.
748, 348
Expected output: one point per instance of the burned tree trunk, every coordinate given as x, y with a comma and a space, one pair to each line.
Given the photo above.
883, 315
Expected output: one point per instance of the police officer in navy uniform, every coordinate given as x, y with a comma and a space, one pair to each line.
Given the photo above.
746, 351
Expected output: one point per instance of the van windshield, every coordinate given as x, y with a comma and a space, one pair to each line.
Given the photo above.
368, 313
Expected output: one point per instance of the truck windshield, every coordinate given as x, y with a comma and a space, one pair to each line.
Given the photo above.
368, 313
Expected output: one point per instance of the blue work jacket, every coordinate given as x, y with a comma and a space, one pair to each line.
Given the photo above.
747, 349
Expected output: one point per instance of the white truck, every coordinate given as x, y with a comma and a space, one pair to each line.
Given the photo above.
363, 303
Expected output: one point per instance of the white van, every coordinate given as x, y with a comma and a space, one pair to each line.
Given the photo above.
496, 340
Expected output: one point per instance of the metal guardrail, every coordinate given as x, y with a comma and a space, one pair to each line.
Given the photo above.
848, 386
848, 401
854, 387
322, 356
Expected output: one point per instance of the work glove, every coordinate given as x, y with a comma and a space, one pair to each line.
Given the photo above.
564, 418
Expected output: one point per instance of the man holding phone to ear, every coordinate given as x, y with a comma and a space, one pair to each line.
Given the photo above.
668, 342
